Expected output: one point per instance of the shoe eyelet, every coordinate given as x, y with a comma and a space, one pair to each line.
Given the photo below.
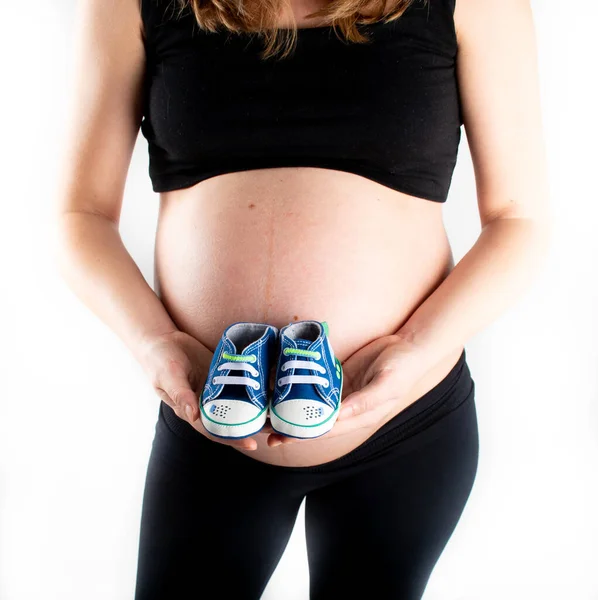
319, 356
280, 382
214, 380
256, 386
326, 385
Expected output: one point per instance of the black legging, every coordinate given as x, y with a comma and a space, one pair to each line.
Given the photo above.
377, 519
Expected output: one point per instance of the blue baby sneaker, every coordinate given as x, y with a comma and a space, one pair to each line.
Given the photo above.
236, 405
309, 381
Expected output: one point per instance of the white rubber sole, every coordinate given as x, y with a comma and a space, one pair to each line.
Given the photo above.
285, 427
280, 425
234, 430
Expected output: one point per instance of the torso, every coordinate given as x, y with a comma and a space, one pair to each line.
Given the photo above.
284, 244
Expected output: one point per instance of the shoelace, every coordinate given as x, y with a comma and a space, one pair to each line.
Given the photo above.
239, 363
302, 364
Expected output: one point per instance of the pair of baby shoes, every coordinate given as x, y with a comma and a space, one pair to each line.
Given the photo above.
235, 401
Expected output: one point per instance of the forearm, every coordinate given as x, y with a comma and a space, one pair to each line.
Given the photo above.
94, 262
493, 274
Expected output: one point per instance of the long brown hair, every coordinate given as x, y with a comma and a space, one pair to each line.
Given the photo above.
261, 17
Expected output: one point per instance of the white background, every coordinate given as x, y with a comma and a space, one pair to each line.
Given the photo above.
71, 477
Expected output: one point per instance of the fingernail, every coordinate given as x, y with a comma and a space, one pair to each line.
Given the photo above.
275, 443
189, 412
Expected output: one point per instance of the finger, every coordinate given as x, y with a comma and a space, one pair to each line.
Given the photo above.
248, 444
274, 440
244, 444
368, 398
185, 401
176, 385
165, 398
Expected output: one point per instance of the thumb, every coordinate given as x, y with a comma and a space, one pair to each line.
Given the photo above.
367, 398
178, 388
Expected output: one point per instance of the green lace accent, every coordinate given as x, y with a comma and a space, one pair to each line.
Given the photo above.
240, 357
301, 352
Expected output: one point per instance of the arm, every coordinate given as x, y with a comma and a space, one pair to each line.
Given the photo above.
88, 250
498, 81
106, 113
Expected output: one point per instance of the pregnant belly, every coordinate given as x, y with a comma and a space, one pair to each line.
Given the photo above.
287, 244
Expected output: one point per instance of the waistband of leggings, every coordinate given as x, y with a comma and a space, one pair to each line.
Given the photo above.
445, 396
440, 399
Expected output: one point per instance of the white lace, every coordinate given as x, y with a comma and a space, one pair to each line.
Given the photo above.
237, 379
303, 364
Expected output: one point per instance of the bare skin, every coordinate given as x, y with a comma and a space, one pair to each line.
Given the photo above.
374, 263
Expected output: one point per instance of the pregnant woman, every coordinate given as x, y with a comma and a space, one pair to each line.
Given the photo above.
303, 153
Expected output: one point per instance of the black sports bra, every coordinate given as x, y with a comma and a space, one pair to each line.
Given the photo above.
387, 110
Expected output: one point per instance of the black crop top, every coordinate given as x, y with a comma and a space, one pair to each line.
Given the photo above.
387, 109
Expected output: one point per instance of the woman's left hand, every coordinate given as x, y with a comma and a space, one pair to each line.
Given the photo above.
377, 378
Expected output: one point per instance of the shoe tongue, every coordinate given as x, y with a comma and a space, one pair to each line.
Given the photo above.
229, 346
304, 344
239, 392
235, 350
304, 390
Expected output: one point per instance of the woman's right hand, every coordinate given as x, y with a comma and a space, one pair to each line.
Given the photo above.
178, 366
